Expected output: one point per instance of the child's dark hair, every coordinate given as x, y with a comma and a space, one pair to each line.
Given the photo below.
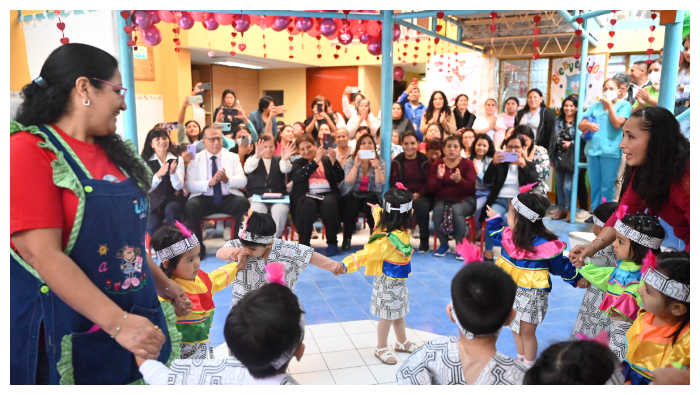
649, 226
676, 265
163, 238
263, 326
394, 219
604, 211
482, 297
525, 230
578, 362
259, 225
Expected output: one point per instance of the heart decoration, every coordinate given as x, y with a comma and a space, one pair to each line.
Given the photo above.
493, 14
416, 64
428, 54
650, 51
211, 54
61, 26
438, 28
405, 45
440, 14
454, 70
492, 28
125, 14
436, 40
291, 47
440, 70
65, 40
418, 40
536, 31
357, 58
652, 28
291, 56
290, 29
611, 33
577, 44
232, 53
579, 20
404, 53
234, 34
461, 63
578, 32
535, 55
537, 18
610, 45
178, 14
337, 47
416, 48
415, 55
442, 56
127, 29
130, 43
290, 38
241, 47
577, 56
175, 40
613, 22
318, 47
651, 39
653, 16
449, 78
461, 77
336, 56
318, 56
536, 43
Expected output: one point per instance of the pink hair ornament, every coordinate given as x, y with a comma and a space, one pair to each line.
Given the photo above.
621, 212
183, 229
649, 261
470, 252
275, 273
601, 338
400, 186
604, 199
245, 224
526, 188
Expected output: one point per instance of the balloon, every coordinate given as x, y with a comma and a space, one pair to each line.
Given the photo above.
327, 27
210, 23
357, 27
399, 74
397, 32
141, 19
294, 31
151, 36
264, 21
197, 16
364, 38
345, 38
374, 46
303, 24
334, 35
242, 23
255, 19
314, 30
280, 23
223, 18
166, 16
186, 21
154, 16
374, 28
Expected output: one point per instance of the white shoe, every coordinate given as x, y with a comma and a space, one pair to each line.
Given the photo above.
314, 233
583, 214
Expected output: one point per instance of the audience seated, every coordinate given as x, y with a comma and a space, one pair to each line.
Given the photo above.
400, 123
413, 108
350, 106
245, 146
284, 137
432, 131
463, 118
360, 131
364, 117
434, 149
343, 149
228, 100
336, 116
486, 124
314, 122
190, 131
261, 116
438, 111
468, 137
396, 147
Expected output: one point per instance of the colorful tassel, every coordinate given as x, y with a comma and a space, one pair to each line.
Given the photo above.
400, 186
526, 188
604, 199
183, 229
470, 252
601, 338
275, 273
621, 211
649, 261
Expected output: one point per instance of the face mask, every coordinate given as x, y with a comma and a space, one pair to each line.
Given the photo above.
655, 77
610, 95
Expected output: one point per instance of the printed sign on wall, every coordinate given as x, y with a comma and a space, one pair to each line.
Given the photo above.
564, 80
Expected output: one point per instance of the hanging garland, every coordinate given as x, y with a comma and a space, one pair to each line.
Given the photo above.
536, 32
611, 33
578, 32
61, 26
651, 39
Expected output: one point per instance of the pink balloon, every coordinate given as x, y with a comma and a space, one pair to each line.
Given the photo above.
242, 23
346, 37
314, 31
280, 23
197, 16
357, 27
223, 18
333, 36
166, 16
141, 19
374, 28
154, 16
364, 38
397, 32
255, 19
186, 21
399, 74
151, 36
374, 46
328, 27
265, 21
210, 22
303, 24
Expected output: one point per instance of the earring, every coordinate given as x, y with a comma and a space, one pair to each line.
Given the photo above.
86, 102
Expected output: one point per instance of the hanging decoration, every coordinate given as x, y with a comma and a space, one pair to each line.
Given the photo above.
493, 26
318, 46
172, 17
337, 48
415, 55
535, 32
578, 32
291, 41
233, 41
61, 26
650, 51
611, 33
128, 29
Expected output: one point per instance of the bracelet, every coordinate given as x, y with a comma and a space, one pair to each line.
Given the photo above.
167, 284
120, 325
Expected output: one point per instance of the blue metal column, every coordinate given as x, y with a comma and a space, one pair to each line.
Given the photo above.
669, 65
126, 68
387, 89
579, 116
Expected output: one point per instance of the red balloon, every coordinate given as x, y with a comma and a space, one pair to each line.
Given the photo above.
197, 16
255, 19
399, 74
374, 46
357, 27
374, 28
294, 31
166, 16
223, 19
333, 36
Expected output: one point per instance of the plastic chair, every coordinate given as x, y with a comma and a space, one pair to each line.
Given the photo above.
471, 230
216, 218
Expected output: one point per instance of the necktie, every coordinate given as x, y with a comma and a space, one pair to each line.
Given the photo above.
217, 187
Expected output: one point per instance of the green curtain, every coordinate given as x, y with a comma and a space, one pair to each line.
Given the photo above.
686, 23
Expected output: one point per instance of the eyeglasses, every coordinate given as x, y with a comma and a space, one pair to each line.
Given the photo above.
514, 148
122, 90
213, 139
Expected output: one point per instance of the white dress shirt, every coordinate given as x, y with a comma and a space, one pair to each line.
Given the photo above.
174, 179
210, 191
199, 174
252, 163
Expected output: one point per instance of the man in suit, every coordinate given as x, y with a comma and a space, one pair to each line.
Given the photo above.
214, 179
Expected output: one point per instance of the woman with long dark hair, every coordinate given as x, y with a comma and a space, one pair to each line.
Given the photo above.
537, 155
538, 117
438, 111
190, 132
83, 291
657, 176
228, 100
683, 87
506, 119
463, 118
400, 123
563, 141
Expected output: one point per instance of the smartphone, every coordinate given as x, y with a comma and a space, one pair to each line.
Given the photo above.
225, 127
170, 125
205, 86
192, 149
414, 81
367, 154
327, 141
230, 112
509, 156
196, 99
311, 195
244, 141
281, 109
319, 107
355, 89
272, 195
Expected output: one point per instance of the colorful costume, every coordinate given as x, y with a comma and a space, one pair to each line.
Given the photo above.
437, 363
211, 372
530, 271
649, 348
591, 321
387, 256
620, 286
195, 326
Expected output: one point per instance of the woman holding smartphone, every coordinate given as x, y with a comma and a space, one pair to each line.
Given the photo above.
320, 117
365, 174
190, 132
228, 101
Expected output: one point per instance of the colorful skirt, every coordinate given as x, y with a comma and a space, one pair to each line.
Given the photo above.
530, 306
389, 298
591, 321
618, 337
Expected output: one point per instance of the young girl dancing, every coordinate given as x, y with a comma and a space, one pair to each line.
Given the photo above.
387, 256
660, 336
591, 321
636, 235
257, 246
529, 254
177, 251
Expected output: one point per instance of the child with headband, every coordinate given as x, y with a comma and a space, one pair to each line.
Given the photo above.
387, 257
660, 336
637, 235
177, 252
529, 254
482, 304
257, 246
264, 331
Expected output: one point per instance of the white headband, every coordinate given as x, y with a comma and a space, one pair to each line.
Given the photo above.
404, 208
524, 210
177, 249
666, 286
466, 333
245, 235
598, 222
638, 237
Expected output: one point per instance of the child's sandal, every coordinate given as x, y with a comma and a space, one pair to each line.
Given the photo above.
401, 347
385, 357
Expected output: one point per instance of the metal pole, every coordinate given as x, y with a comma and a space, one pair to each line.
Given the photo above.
427, 32
579, 117
571, 20
669, 64
126, 68
593, 14
387, 89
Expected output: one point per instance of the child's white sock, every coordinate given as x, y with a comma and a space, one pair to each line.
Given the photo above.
528, 363
520, 357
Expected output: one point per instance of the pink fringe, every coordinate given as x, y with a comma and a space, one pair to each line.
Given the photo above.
621, 211
649, 261
183, 229
526, 188
470, 252
400, 186
601, 338
275, 273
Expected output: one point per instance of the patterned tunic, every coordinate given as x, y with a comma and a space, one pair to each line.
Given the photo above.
591, 321
437, 363
214, 372
541, 160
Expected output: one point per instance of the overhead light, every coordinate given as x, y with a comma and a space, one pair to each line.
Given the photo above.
242, 65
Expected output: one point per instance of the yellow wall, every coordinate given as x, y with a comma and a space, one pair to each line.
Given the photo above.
19, 66
369, 81
293, 83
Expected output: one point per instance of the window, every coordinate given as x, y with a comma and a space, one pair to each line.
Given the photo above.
517, 77
616, 64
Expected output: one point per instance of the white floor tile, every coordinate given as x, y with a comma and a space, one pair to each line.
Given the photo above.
343, 359
336, 343
355, 327
221, 352
326, 330
367, 355
394, 383
314, 378
402, 356
310, 347
364, 340
384, 373
426, 336
353, 376
308, 363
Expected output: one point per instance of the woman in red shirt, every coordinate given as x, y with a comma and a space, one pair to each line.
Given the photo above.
657, 176
453, 181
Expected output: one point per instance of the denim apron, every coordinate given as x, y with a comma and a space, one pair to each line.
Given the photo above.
109, 249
